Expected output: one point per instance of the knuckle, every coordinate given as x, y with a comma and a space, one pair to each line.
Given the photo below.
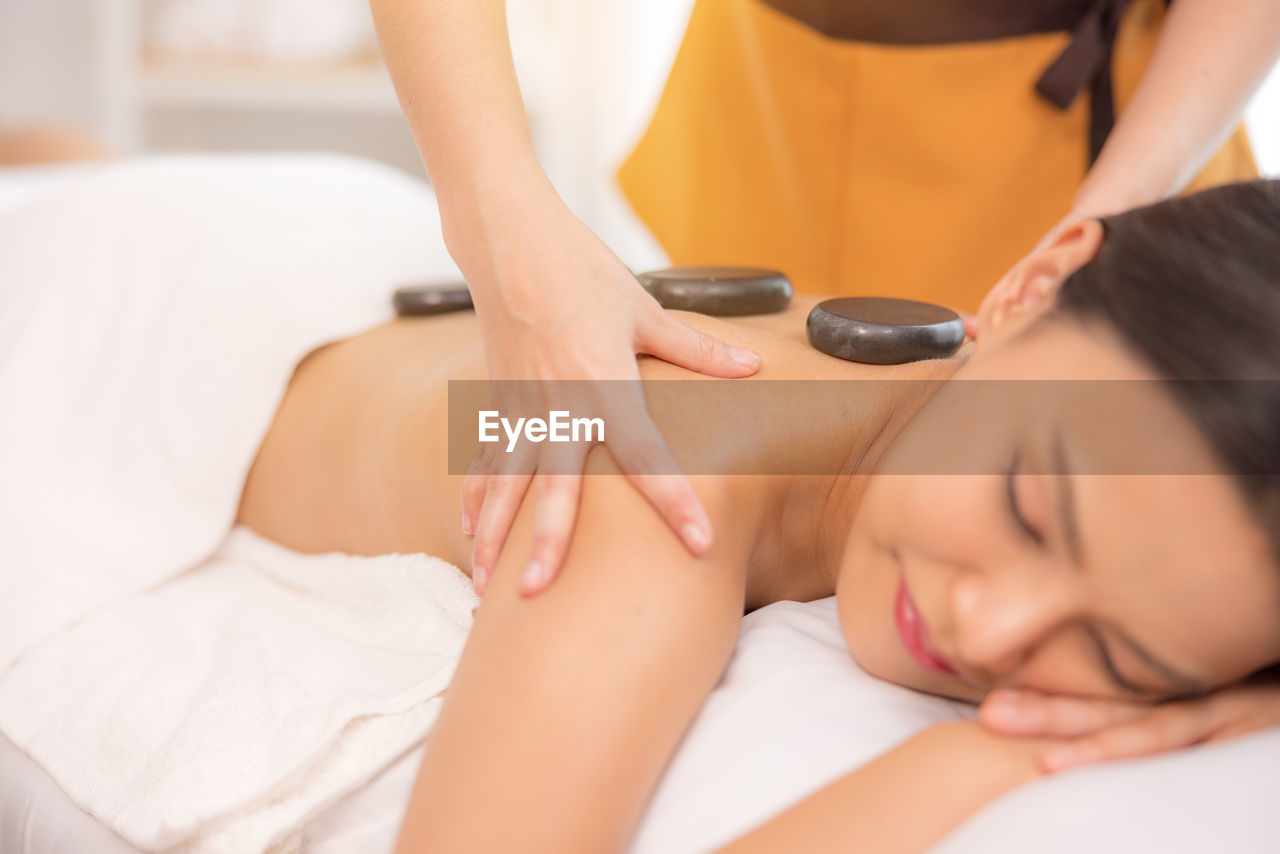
484, 458
1162, 729
547, 545
707, 347
473, 488
504, 487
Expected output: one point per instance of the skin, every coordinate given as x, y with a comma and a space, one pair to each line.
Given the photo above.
355, 461
534, 268
1211, 57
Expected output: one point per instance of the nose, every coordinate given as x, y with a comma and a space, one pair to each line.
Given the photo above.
1000, 618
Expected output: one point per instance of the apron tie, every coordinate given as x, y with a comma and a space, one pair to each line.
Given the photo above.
1087, 59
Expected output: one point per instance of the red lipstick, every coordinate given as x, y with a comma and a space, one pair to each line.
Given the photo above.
915, 634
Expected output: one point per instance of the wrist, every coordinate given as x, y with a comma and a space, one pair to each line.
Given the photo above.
1112, 187
1009, 761
478, 215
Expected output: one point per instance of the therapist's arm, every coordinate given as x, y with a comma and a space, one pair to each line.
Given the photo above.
452, 67
552, 301
1209, 60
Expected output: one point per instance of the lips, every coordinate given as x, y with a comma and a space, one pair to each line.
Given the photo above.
915, 634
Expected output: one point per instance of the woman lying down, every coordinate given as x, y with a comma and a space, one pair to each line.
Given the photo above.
1052, 576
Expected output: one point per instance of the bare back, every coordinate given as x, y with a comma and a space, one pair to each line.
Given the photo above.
356, 459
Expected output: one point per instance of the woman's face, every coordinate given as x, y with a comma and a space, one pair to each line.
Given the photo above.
1041, 564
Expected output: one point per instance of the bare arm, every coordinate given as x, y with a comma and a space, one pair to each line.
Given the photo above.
906, 800
451, 63
1211, 57
566, 707
534, 271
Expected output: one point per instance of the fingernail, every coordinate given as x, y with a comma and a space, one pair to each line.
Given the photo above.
744, 358
696, 537
532, 578
479, 575
1005, 715
1008, 699
1064, 757
466, 525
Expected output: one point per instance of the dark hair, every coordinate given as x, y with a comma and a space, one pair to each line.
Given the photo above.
1192, 285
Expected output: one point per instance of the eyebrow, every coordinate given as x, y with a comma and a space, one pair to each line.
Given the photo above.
1181, 684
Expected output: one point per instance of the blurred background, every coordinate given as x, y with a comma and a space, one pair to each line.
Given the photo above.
141, 76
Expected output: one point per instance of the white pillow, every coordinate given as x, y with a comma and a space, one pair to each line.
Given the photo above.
796, 711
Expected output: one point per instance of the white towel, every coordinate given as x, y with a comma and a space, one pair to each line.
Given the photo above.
195, 691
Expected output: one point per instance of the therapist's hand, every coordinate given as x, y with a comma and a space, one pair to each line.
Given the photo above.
1102, 730
554, 303
1014, 289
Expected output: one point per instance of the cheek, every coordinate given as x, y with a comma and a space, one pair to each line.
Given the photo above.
953, 520
941, 525
907, 514
1067, 663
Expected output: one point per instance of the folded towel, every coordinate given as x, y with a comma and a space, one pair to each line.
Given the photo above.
196, 691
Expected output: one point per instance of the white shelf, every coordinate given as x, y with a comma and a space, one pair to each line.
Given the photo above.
362, 86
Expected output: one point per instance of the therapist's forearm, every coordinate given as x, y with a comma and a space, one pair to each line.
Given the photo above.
1210, 59
453, 72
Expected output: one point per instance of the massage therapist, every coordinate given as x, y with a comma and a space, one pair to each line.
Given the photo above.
915, 149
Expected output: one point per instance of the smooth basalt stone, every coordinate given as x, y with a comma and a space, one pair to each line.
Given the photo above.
883, 330
418, 300
722, 291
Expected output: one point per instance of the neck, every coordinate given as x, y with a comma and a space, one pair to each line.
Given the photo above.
800, 547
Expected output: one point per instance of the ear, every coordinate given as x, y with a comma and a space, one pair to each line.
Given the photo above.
1028, 290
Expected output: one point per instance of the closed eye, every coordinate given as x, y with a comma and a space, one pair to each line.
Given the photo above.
1011, 496
1109, 665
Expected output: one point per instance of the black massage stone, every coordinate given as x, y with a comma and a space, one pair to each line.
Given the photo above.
722, 291
419, 300
884, 331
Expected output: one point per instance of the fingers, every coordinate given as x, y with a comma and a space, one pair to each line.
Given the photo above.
643, 456
504, 491
554, 518
1166, 727
474, 486
681, 344
1055, 716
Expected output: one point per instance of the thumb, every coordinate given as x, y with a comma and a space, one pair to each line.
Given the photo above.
681, 344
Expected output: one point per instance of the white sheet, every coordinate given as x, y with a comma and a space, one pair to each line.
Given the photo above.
36, 817
794, 711
194, 699
22, 184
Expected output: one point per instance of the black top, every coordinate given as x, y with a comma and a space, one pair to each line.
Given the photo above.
934, 21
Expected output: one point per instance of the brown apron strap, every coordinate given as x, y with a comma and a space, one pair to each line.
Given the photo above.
1087, 59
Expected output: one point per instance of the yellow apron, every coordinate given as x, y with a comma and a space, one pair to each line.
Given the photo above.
920, 171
